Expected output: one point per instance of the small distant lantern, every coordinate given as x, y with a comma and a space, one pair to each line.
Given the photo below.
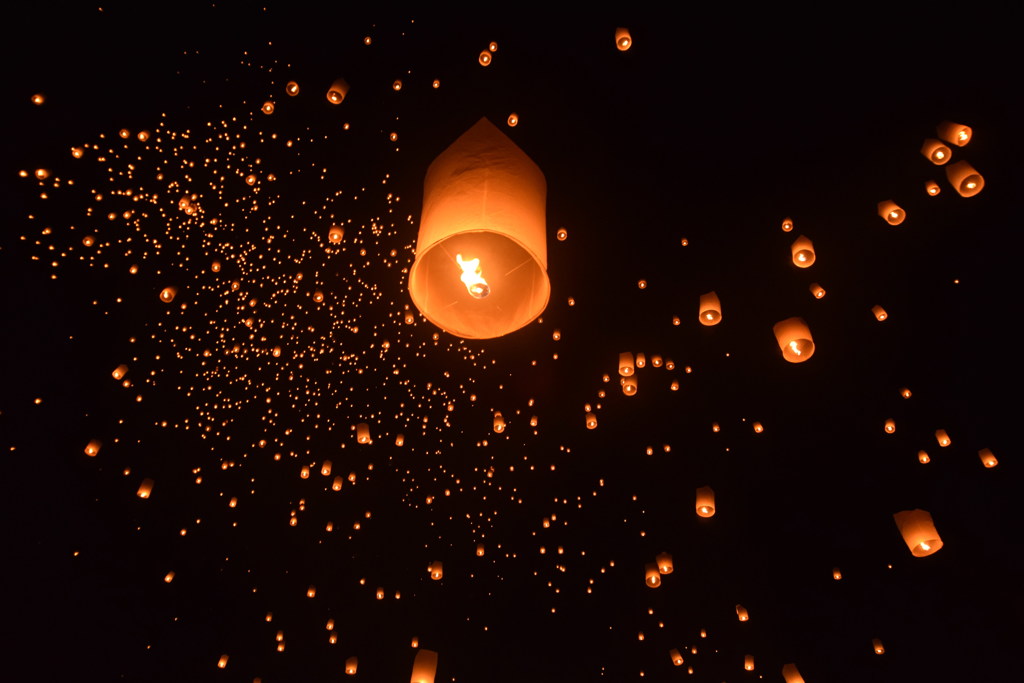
92, 448
748, 662
964, 179
168, 577
923, 457
656, 361
641, 360
954, 133
741, 613
653, 576
267, 108
664, 561
932, 188
424, 667
936, 152
626, 364
484, 214
891, 212
794, 338
167, 294
758, 427
292, 88
513, 121
836, 574
792, 674
399, 440
879, 313
498, 422
363, 433
311, 592
591, 421
380, 593
877, 646
918, 532
351, 665
623, 40
705, 503
710, 309
145, 488
629, 385
905, 392
988, 459
942, 437
890, 426
336, 93
787, 224
675, 656
817, 291
325, 468
436, 570
802, 251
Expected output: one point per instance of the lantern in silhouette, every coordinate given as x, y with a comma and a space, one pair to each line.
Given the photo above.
936, 152
891, 212
802, 250
481, 254
623, 40
918, 532
705, 501
964, 179
794, 338
710, 309
424, 667
988, 459
954, 133
792, 674
652, 575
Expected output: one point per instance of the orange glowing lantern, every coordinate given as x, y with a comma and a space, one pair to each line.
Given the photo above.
836, 574
964, 179
890, 426
335, 234
484, 58
436, 570
653, 576
483, 215
268, 107
794, 338
758, 427
591, 421
363, 433
918, 532
222, 662
932, 188
741, 613
167, 294
145, 488
336, 93
942, 437
92, 448
641, 360
629, 385
292, 88
513, 120
424, 667
399, 440
802, 250
954, 133
351, 665
676, 658
988, 459
710, 309
626, 364
787, 224
877, 646
879, 312
623, 40
817, 291
923, 457
936, 152
891, 212
748, 662
705, 501
480, 550
664, 561
498, 422
792, 674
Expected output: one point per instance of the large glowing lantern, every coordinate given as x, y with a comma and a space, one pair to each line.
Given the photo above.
664, 561
792, 674
956, 133
481, 255
710, 309
802, 250
651, 575
424, 667
988, 458
936, 152
794, 338
891, 212
705, 501
918, 532
964, 179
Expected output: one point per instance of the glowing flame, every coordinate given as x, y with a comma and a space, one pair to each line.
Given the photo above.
471, 277
796, 348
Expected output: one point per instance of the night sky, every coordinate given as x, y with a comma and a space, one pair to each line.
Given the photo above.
150, 165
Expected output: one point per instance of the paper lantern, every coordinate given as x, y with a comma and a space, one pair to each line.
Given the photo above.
119, 372
652, 575
710, 309
802, 250
905, 392
877, 646
335, 234
954, 133
222, 662
891, 212
964, 179
879, 313
623, 40
591, 421
741, 613
936, 152
641, 360
748, 662
626, 364
890, 426
267, 108
363, 433
932, 188
942, 437
351, 665
836, 574
399, 440
629, 385
424, 667
787, 224
498, 422
758, 427
292, 88
791, 674
92, 448
794, 338
923, 457
484, 58
336, 93
988, 459
145, 488
664, 561
167, 294
705, 501
325, 468
918, 532
481, 254
676, 658
817, 291
657, 361
436, 570
479, 549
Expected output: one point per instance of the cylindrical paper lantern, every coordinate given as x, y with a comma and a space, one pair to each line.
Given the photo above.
623, 40
935, 152
803, 252
890, 426
436, 570
932, 188
741, 613
664, 561
710, 309
794, 338
499, 422
891, 212
954, 133
988, 459
363, 433
817, 290
93, 448
964, 179
879, 312
877, 646
641, 360
918, 532
676, 657
629, 385
336, 93
351, 665
705, 501
787, 224
792, 674
923, 457
652, 575
481, 254
424, 667
626, 364
120, 371
942, 437
748, 662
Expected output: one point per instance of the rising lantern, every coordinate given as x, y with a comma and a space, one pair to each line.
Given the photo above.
932, 188
988, 459
652, 575
964, 179
481, 255
955, 133
879, 313
424, 667
623, 40
918, 532
626, 364
792, 674
710, 309
817, 290
741, 613
705, 501
794, 338
802, 250
891, 212
677, 658
336, 93
664, 561
936, 152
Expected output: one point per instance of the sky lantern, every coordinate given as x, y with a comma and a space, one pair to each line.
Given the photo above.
336, 93
923, 457
424, 667
836, 574
964, 179
891, 212
803, 252
942, 437
591, 420
629, 385
641, 360
623, 40
400, 440
876, 645
436, 569
918, 532
748, 662
499, 422
988, 459
222, 662
794, 338
513, 120
480, 550
292, 88
267, 108
710, 309
817, 290
335, 234
741, 613
363, 433
932, 188
652, 575
167, 294
351, 665
676, 658
92, 448
484, 58
954, 133
879, 313
705, 501
626, 364
792, 674
787, 224
664, 561
145, 488
890, 426
936, 152
481, 254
